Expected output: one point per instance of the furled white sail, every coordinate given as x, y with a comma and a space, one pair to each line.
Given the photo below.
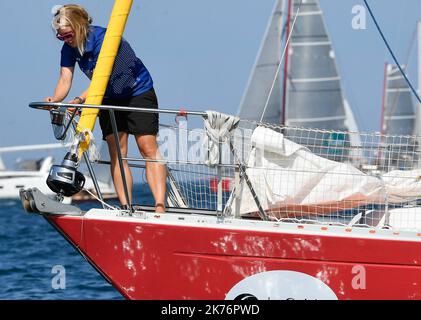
290, 181
263, 75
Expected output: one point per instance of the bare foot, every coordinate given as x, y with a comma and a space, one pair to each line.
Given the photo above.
160, 208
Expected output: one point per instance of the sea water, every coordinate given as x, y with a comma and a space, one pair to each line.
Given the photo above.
33, 254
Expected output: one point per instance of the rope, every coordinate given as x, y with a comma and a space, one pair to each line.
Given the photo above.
282, 59
104, 203
391, 52
218, 127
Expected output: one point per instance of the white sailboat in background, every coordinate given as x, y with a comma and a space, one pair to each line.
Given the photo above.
311, 95
398, 112
28, 172
417, 129
264, 73
397, 119
34, 172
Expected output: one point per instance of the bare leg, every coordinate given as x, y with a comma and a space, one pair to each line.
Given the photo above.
156, 173
115, 167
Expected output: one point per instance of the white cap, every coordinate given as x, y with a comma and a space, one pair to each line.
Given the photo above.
55, 12
55, 9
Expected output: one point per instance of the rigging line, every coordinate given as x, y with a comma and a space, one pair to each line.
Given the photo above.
101, 201
391, 52
282, 59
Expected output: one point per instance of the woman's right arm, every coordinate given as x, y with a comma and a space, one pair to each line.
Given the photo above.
63, 85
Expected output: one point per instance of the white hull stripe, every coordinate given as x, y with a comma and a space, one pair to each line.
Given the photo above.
254, 226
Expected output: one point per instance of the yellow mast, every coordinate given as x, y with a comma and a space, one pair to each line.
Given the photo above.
103, 69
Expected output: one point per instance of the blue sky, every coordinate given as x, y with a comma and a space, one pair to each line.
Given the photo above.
200, 54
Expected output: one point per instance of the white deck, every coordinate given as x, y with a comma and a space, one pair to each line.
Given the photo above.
201, 221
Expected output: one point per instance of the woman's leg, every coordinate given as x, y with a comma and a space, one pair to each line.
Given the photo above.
115, 167
156, 173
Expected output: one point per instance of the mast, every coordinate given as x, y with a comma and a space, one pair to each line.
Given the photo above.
286, 66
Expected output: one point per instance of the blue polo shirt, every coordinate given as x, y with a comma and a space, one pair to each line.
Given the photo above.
129, 76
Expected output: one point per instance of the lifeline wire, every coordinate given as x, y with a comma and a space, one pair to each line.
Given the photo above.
391, 52
282, 59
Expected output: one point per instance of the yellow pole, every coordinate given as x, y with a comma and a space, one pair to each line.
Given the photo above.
103, 68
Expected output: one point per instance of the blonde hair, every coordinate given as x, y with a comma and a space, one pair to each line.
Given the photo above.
75, 17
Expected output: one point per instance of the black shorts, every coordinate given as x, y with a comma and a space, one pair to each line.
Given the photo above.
136, 123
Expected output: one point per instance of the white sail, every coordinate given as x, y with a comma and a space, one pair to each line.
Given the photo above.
398, 120
314, 93
398, 109
263, 75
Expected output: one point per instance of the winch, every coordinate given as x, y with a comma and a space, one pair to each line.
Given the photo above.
64, 179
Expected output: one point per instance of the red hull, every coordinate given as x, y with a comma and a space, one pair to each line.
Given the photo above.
158, 260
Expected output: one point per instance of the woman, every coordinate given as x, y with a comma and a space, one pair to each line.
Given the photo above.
130, 85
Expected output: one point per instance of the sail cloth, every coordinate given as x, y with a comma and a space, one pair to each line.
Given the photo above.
263, 75
218, 127
314, 95
290, 181
314, 92
399, 111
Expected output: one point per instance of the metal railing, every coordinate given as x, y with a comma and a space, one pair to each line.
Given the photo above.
132, 162
331, 165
